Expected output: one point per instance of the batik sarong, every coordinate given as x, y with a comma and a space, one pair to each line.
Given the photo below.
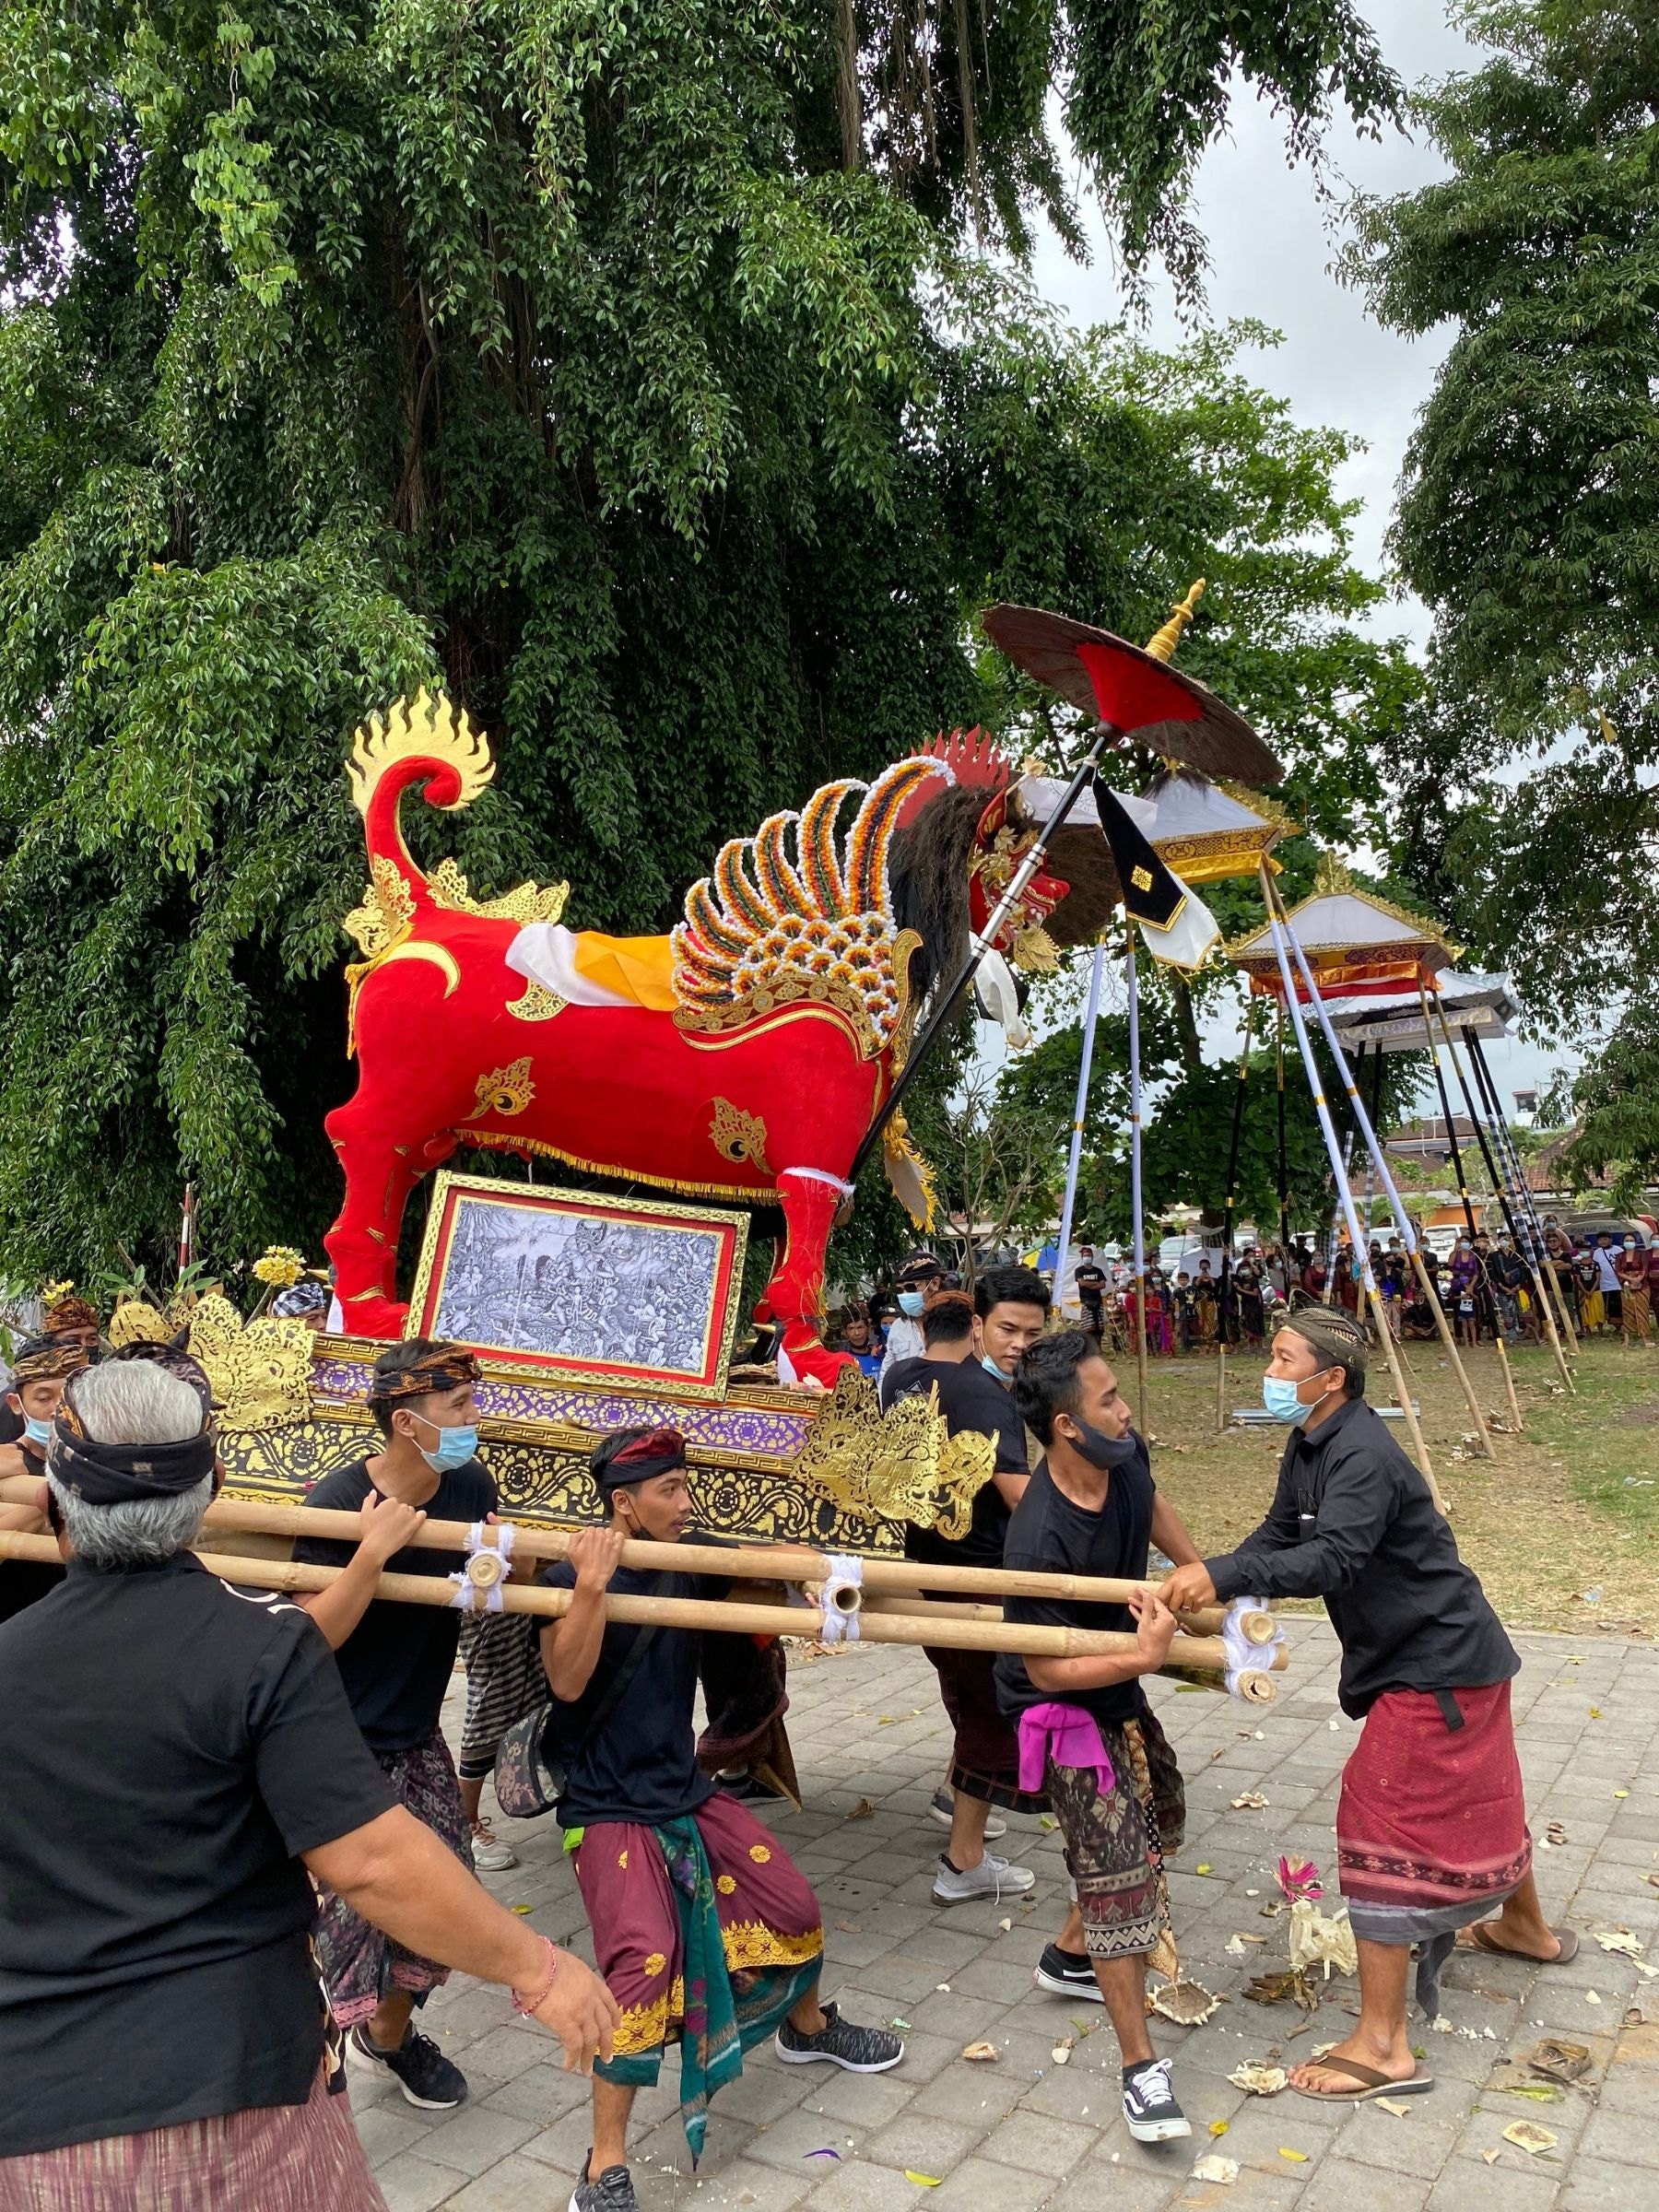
361, 1965
505, 1679
706, 1935
1431, 1821
1117, 1838
276, 2158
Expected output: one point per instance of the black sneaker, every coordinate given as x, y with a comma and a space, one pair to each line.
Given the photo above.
1068, 1974
1149, 2103
613, 2192
860, 2050
422, 2073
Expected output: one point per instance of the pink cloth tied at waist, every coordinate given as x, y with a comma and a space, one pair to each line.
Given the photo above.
1065, 1733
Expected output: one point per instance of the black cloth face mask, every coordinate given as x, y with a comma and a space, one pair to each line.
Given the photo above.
1102, 1450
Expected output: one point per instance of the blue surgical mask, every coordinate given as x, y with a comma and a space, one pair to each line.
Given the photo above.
1281, 1400
910, 1303
38, 1432
456, 1447
991, 1368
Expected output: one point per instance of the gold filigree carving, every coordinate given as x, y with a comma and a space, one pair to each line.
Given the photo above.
896, 1467
259, 1371
441, 957
387, 914
135, 1321
427, 729
504, 1090
739, 1136
527, 902
909, 1175
1035, 951
538, 1004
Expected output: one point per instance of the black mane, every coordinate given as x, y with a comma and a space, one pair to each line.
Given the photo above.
927, 869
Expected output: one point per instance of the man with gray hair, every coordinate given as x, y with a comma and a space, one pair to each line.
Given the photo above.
179, 1755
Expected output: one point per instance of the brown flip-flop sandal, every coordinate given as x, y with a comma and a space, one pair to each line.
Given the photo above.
1567, 1938
1368, 2083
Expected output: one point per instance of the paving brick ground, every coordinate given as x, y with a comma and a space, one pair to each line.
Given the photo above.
1026, 2134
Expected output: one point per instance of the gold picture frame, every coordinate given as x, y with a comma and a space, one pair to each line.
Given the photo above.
544, 1281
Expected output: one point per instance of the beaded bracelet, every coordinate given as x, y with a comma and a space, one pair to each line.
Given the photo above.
540, 1998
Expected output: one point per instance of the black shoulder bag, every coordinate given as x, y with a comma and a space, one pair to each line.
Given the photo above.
527, 1783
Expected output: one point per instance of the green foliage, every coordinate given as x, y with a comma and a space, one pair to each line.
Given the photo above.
555, 350
1529, 521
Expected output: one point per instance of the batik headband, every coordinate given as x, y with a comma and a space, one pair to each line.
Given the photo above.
100, 1473
445, 1367
49, 1358
635, 1456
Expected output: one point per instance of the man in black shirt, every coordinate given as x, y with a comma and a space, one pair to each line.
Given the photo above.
1431, 1826
984, 1768
1090, 1280
179, 1755
395, 1662
1091, 1508
702, 1927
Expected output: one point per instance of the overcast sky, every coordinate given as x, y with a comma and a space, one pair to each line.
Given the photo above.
1272, 242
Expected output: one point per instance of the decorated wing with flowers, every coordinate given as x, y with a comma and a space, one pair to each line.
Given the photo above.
803, 912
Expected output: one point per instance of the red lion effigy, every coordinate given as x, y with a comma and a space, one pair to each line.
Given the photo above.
745, 1056
741, 1057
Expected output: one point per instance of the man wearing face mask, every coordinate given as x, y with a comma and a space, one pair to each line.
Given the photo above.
919, 1274
1431, 1823
395, 1662
1088, 1736
42, 1366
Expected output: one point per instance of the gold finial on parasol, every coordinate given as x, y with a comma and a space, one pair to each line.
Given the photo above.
1162, 646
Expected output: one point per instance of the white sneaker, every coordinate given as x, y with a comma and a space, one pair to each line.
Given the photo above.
993, 1878
942, 1808
490, 1856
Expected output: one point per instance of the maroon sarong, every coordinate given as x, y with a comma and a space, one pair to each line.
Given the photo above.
281, 2157
768, 1921
1431, 1823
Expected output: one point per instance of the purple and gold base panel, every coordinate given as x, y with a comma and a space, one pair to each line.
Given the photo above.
536, 1436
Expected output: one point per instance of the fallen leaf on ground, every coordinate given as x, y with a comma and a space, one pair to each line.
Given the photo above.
1493, 2156
863, 1810
1204, 1867
1558, 2060
1047, 1822
1621, 1940
1527, 2135
896, 2022
1297, 2157
1219, 2127
1259, 2081
523, 1910
1213, 2166
923, 2180
1249, 1801
1540, 2092
981, 2054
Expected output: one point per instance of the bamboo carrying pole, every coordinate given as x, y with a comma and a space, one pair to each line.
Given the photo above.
766, 1563
1196, 1654
1259, 1629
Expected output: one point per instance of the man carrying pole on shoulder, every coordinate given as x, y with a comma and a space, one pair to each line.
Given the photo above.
702, 1927
1431, 1826
395, 1662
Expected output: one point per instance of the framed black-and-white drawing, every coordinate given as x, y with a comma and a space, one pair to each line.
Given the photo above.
600, 1289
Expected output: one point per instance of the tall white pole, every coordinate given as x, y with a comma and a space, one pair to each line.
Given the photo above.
1132, 990
1073, 1165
